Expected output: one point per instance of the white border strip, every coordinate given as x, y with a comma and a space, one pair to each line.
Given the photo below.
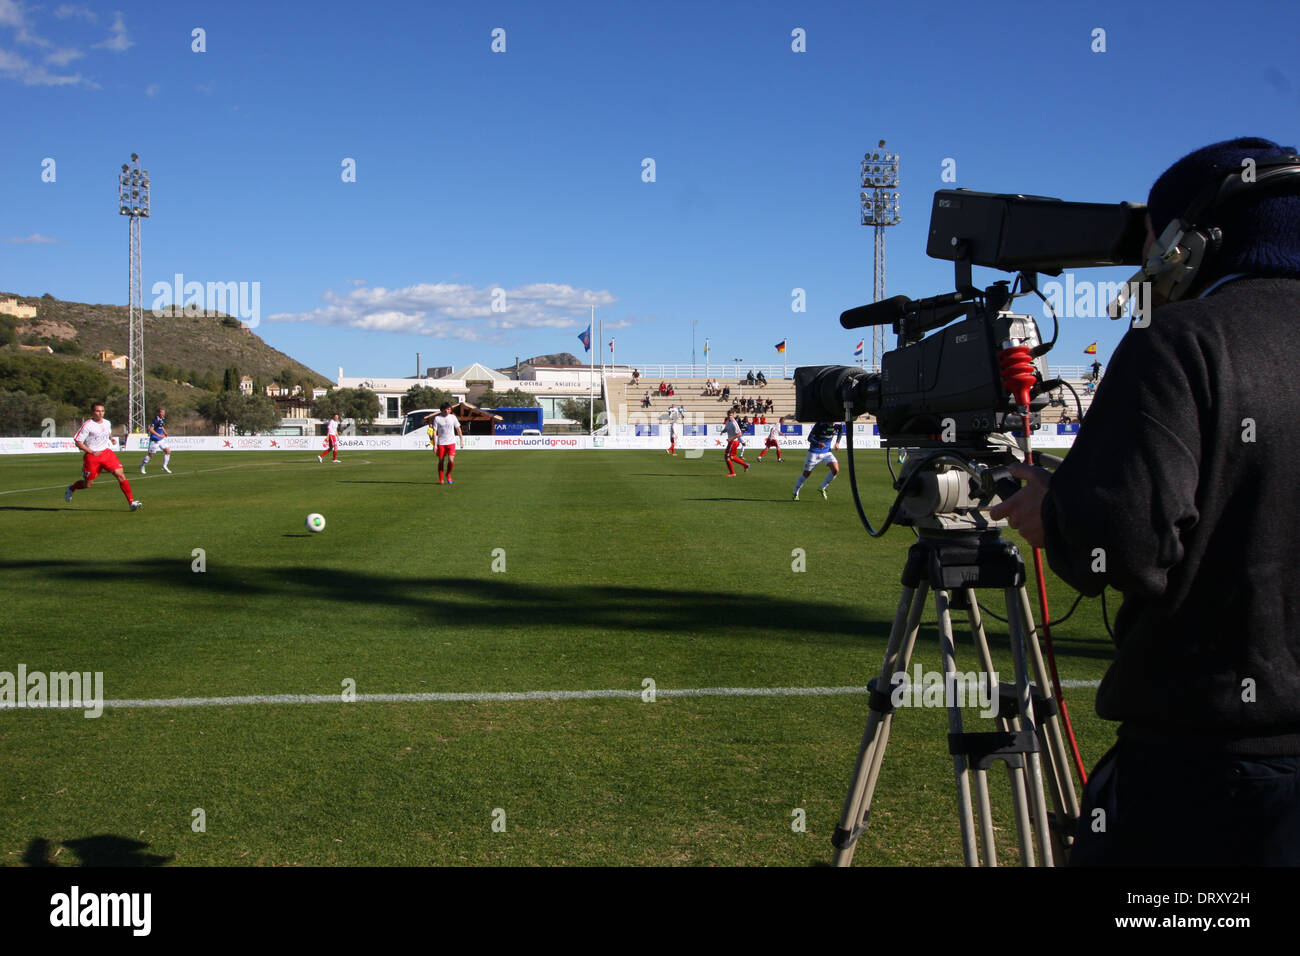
456, 698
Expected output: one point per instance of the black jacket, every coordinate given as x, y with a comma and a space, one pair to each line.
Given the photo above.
1182, 491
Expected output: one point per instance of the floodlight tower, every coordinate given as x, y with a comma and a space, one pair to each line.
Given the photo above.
133, 202
879, 209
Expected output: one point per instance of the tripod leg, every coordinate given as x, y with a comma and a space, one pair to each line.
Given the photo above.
960, 767
1015, 774
1037, 800
1058, 768
875, 738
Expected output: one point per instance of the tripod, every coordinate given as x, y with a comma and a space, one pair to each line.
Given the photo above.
953, 564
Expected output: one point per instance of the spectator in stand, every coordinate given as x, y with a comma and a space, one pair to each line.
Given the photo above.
761, 378
645, 402
726, 393
770, 405
636, 376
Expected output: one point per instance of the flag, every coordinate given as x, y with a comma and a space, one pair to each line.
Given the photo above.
1091, 349
858, 351
611, 345
585, 338
706, 346
780, 346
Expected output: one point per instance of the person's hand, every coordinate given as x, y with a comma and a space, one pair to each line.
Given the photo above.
1024, 510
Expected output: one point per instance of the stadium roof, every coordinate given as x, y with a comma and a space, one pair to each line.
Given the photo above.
479, 373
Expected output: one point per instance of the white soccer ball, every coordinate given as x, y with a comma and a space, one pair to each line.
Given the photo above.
315, 522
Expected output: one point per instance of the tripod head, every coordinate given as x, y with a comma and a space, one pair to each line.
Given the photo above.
951, 490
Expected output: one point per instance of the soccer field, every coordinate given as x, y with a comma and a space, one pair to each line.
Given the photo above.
538, 571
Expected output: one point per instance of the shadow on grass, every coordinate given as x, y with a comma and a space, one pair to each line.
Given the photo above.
103, 849
26, 508
521, 606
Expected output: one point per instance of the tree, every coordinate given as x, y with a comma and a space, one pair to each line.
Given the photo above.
230, 382
256, 413
579, 409
510, 398
77, 383
23, 414
360, 404
285, 378
422, 396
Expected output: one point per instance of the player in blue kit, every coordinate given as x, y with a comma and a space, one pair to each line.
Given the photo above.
823, 441
158, 439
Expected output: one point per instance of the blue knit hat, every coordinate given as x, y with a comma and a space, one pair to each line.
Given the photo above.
1261, 236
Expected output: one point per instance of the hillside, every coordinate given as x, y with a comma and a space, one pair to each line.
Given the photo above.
191, 343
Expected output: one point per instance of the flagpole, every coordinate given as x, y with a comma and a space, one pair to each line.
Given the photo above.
591, 385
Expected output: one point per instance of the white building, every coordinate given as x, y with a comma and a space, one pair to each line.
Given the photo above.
551, 384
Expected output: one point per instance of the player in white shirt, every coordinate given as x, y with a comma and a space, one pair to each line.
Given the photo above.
672, 437
331, 439
94, 438
771, 442
731, 428
446, 430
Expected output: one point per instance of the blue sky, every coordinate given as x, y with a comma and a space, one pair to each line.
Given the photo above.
523, 170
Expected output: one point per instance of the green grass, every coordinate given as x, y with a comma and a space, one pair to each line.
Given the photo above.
619, 566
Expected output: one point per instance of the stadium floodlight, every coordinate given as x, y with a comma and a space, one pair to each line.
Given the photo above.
878, 203
133, 202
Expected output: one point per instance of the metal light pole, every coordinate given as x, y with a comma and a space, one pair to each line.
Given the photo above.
133, 202
693, 324
879, 209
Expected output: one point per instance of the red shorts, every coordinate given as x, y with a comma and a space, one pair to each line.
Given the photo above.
92, 465
732, 446
447, 451
331, 441
771, 443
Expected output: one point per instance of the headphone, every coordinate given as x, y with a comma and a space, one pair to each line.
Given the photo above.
1178, 256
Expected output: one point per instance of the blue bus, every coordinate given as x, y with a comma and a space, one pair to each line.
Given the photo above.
517, 421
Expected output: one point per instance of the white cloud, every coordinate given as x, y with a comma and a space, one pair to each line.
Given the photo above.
454, 311
11, 15
63, 56
70, 10
35, 239
16, 67
117, 41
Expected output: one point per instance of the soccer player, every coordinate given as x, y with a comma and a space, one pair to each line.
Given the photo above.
97, 455
158, 439
446, 429
771, 442
672, 437
331, 440
823, 442
731, 428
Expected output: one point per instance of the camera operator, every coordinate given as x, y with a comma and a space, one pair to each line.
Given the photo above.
1180, 492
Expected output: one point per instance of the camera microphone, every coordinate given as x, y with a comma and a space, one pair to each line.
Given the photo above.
884, 312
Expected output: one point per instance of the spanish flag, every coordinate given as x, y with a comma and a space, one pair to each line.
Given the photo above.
780, 346
1091, 349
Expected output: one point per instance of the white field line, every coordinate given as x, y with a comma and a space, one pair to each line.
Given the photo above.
183, 474
506, 696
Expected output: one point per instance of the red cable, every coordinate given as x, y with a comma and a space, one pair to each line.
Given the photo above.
1016, 362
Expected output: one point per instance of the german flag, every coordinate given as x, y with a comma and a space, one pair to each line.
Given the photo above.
780, 346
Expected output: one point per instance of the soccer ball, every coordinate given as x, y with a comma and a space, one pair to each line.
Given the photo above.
315, 522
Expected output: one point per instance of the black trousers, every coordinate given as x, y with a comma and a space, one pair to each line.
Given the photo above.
1146, 805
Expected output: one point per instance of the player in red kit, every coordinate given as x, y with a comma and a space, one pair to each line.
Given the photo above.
446, 431
331, 439
97, 455
771, 443
731, 428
